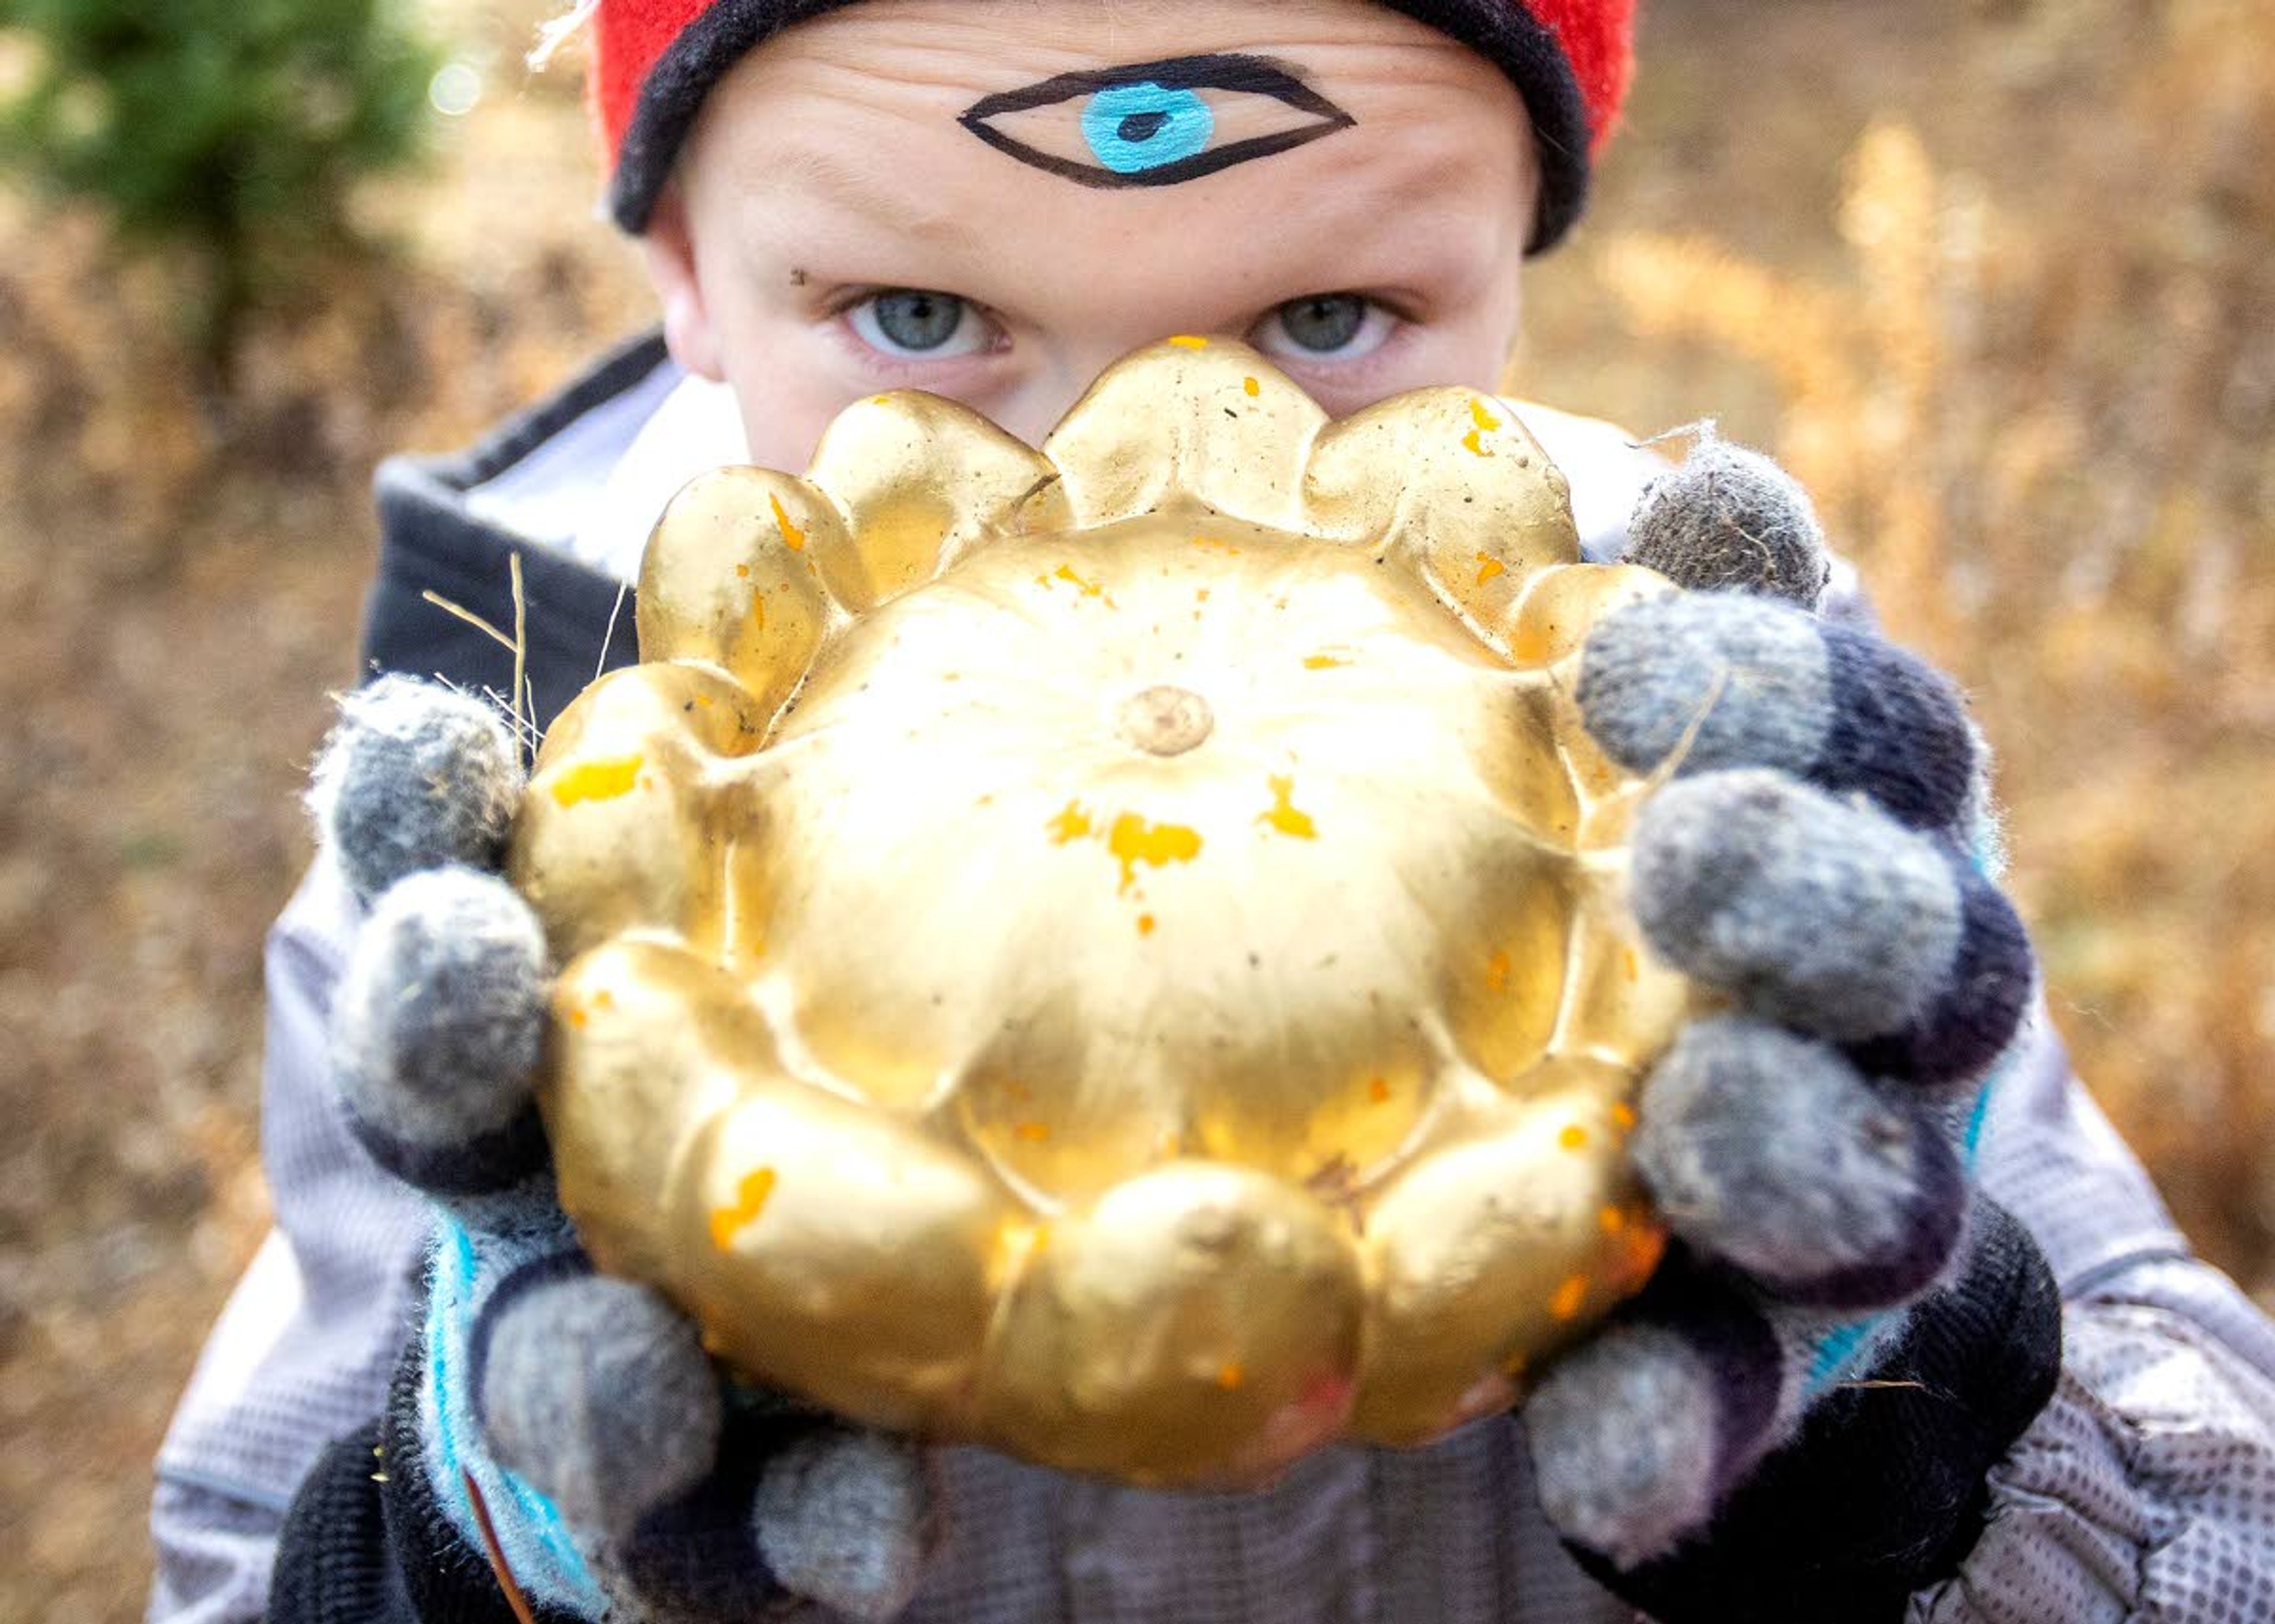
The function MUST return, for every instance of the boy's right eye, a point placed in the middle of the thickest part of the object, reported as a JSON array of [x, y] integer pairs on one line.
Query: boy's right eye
[[916, 323]]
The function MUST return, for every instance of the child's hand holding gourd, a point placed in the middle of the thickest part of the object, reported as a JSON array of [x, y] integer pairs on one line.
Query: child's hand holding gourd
[[1796, 1418], [572, 1419]]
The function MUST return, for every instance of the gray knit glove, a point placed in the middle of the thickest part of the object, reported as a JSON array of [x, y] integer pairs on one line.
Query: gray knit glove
[[564, 1426], [1819, 852]]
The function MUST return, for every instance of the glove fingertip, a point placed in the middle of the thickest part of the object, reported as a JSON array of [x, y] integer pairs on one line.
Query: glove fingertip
[[438, 1029], [596, 1391], [1636, 1436], [840, 1517], [1731, 519], [1722, 679], [1770, 1152], [1827, 916], [413, 776]]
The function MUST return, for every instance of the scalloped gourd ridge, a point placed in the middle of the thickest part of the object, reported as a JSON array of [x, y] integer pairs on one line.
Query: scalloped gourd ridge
[[1114, 953]]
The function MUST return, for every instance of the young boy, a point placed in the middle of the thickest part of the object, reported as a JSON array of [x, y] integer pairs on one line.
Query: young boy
[[992, 202]]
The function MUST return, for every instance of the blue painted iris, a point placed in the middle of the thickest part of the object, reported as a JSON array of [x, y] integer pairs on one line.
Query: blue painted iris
[[1133, 128]]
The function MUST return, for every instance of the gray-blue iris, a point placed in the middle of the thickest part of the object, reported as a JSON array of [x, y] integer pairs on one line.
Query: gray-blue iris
[[915, 320], [1323, 323]]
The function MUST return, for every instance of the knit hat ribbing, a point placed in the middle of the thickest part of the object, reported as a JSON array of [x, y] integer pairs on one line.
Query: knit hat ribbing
[[653, 62]]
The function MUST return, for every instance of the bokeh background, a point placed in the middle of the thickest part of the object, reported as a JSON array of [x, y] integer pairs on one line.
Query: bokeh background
[[1996, 278]]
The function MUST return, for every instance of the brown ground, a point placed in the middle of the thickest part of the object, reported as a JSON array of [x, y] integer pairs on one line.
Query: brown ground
[[1993, 276]]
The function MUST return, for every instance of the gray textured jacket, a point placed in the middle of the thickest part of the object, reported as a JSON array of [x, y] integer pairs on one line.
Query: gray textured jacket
[[2146, 1489]]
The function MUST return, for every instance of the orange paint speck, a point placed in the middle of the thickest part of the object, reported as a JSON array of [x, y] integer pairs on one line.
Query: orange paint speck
[[1230, 1375], [1574, 1137], [597, 780], [1643, 1247], [1252, 388], [1623, 1114], [1187, 341], [741, 572], [1145, 924], [1377, 1090], [1134, 840], [1569, 1298], [1130, 839], [580, 1017], [1323, 662], [751, 1199], [1612, 1220], [1210, 541], [1630, 963], [703, 701], [1487, 423], [1488, 567], [1090, 589], [1033, 1133], [1072, 824], [1497, 971], [790, 533], [1283, 815]]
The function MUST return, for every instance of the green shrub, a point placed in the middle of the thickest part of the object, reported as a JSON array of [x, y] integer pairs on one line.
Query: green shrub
[[229, 130]]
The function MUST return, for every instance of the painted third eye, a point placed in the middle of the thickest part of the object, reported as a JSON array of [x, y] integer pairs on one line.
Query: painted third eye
[[1154, 124]]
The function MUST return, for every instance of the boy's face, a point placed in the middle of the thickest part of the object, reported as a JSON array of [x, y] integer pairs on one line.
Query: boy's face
[[868, 203]]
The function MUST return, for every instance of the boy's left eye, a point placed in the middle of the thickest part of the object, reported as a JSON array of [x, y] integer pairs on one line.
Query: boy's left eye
[[1325, 327], [916, 323]]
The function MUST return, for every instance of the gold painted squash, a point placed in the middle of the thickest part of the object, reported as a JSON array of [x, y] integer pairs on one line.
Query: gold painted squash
[[1117, 953]]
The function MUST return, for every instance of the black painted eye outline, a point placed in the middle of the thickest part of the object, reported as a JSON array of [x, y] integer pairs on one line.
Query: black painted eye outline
[[1145, 101]]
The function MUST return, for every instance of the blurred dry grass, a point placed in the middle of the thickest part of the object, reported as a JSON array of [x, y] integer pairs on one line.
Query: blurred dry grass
[[1994, 277], [2023, 352]]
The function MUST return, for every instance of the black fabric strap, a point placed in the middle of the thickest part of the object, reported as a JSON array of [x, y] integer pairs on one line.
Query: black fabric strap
[[1883, 1492], [333, 1564], [430, 543]]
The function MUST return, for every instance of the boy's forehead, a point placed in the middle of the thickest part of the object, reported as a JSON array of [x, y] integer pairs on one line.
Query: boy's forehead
[[955, 42]]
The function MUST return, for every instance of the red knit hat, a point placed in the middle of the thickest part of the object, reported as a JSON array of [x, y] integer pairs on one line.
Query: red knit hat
[[653, 61]]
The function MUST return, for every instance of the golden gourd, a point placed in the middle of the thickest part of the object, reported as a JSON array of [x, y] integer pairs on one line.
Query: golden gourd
[[1114, 953]]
